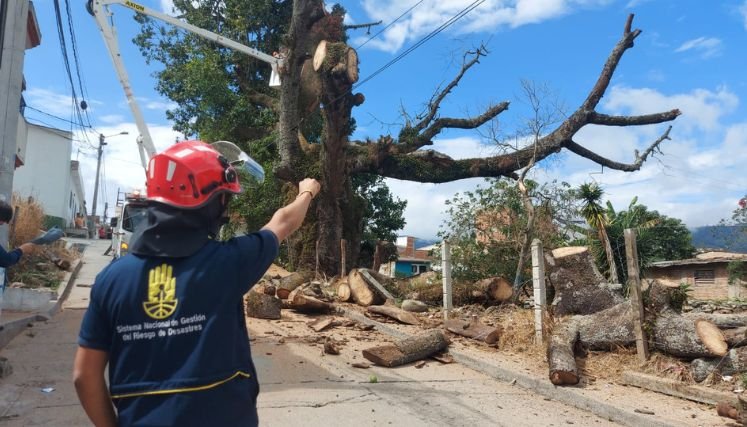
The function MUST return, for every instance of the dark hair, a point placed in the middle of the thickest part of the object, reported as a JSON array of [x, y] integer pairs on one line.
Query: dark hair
[[6, 212]]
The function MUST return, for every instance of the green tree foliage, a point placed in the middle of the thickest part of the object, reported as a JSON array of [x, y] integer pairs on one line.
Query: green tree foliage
[[659, 237], [217, 91], [383, 216], [484, 226]]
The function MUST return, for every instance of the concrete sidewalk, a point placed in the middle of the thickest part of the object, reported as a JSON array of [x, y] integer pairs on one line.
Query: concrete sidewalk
[[40, 390]]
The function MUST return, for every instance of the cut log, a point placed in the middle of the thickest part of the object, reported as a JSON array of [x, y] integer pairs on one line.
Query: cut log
[[678, 336], [734, 362], [307, 304], [291, 282], [736, 337], [363, 293], [351, 65], [474, 329], [495, 289], [414, 306], [262, 306], [672, 334], [579, 287], [408, 350], [560, 354], [343, 292], [395, 313], [723, 321]]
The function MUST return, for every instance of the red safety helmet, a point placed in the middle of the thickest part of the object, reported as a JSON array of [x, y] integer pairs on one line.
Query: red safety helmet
[[186, 175]]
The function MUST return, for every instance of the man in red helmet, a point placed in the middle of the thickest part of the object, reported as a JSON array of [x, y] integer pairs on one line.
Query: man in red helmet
[[168, 318]]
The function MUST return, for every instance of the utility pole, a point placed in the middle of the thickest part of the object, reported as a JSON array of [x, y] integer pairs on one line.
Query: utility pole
[[13, 29], [102, 142]]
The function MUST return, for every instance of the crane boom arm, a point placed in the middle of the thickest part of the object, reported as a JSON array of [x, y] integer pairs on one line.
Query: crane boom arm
[[100, 11]]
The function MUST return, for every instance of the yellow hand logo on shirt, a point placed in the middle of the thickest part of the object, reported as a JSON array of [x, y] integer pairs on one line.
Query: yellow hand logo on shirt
[[161, 292]]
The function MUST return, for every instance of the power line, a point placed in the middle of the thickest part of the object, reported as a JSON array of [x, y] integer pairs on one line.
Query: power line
[[390, 24], [423, 40], [58, 117]]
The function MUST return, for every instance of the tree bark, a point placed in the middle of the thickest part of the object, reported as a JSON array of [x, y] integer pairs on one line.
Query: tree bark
[[407, 350], [672, 334], [474, 329], [734, 362], [723, 321], [579, 287], [395, 313], [262, 306]]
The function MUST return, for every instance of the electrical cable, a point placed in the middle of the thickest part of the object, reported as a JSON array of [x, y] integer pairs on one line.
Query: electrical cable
[[389, 25]]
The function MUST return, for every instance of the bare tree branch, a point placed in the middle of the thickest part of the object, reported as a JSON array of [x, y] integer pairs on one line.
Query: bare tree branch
[[648, 119], [626, 167], [609, 67], [435, 103], [427, 135]]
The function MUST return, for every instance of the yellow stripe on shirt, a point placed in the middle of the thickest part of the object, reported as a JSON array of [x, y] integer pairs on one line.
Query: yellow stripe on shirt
[[182, 390]]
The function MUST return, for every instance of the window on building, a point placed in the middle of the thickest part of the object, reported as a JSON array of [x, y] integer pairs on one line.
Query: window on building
[[704, 277], [419, 268]]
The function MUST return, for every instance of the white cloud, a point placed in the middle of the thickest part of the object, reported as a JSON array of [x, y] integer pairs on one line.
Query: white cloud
[[708, 47], [701, 108], [489, 16], [49, 101], [111, 118]]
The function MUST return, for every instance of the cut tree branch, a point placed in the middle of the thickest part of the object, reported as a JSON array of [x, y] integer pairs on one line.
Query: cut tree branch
[[427, 135], [648, 119]]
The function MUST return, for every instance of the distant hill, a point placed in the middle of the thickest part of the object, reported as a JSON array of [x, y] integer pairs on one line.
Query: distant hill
[[728, 238]]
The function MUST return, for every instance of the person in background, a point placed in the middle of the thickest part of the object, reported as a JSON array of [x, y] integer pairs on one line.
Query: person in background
[[9, 258], [167, 318]]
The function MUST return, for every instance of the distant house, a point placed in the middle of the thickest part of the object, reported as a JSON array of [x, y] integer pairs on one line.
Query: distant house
[[706, 274], [410, 261], [49, 176]]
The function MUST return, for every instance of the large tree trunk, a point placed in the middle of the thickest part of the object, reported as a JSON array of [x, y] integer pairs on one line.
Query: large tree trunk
[[672, 334], [408, 350], [579, 287]]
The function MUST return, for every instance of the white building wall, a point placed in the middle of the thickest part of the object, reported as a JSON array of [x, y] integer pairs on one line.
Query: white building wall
[[46, 175]]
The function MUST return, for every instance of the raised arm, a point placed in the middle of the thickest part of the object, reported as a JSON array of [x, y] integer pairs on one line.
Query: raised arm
[[289, 218]]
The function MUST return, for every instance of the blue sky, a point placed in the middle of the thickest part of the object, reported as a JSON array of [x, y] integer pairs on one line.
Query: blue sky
[[690, 56]]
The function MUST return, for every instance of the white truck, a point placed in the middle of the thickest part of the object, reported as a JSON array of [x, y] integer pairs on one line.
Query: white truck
[[133, 208]]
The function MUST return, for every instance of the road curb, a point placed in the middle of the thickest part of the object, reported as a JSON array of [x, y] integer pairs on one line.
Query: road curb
[[566, 395], [12, 329]]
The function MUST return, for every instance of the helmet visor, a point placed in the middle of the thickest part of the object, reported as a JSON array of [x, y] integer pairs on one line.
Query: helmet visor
[[240, 160]]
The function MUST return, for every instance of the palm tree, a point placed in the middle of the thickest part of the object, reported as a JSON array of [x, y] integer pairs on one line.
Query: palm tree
[[595, 215]]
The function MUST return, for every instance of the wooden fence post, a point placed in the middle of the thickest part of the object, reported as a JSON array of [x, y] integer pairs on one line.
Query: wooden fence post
[[539, 294], [446, 272], [343, 252], [636, 300]]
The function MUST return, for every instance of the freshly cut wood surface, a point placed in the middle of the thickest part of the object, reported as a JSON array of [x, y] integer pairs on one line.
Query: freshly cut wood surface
[[395, 313]]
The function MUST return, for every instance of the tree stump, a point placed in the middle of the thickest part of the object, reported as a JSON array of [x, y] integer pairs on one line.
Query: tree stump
[[579, 287]]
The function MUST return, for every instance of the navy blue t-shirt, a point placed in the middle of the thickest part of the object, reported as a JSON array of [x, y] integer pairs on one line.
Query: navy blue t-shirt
[[176, 336]]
